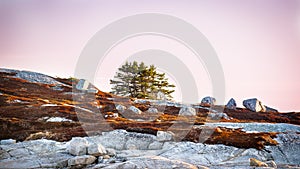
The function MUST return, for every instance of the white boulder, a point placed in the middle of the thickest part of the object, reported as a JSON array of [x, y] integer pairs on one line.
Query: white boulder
[[164, 136], [78, 146]]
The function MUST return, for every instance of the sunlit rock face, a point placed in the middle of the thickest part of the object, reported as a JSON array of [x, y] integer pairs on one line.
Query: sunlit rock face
[[254, 105]]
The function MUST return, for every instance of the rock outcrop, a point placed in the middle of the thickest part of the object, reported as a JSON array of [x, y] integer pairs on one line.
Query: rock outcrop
[[51, 154]]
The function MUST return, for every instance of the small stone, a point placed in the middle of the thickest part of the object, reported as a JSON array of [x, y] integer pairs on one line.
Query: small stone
[[8, 141], [135, 110], [78, 146], [81, 160], [152, 110], [257, 163]]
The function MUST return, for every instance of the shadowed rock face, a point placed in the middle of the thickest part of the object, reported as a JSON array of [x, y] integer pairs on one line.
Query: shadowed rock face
[[231, 104]]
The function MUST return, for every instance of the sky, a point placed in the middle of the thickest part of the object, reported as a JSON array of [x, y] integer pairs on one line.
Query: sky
[[257, 42]]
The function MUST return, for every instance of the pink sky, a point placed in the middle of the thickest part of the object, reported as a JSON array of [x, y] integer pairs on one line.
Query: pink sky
[[257, 41]]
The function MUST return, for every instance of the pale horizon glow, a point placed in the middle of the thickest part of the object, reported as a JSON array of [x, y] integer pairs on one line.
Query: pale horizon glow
[[257, 41]]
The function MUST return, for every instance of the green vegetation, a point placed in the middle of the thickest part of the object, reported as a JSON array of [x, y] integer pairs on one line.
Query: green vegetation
[[141, 81]]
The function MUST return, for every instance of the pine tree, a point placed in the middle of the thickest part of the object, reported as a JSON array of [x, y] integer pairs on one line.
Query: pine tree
[[140, 81]]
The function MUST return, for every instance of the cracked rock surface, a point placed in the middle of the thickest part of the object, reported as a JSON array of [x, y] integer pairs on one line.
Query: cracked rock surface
[[44, 153]]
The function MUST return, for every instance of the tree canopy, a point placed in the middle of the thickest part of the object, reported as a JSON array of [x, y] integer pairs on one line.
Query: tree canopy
[[138, 80]]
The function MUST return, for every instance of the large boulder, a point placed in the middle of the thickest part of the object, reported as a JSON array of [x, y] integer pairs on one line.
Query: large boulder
[[187, 111], [254, 105], [231, 104], [208, 101], [164, 136], [78, 146]]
